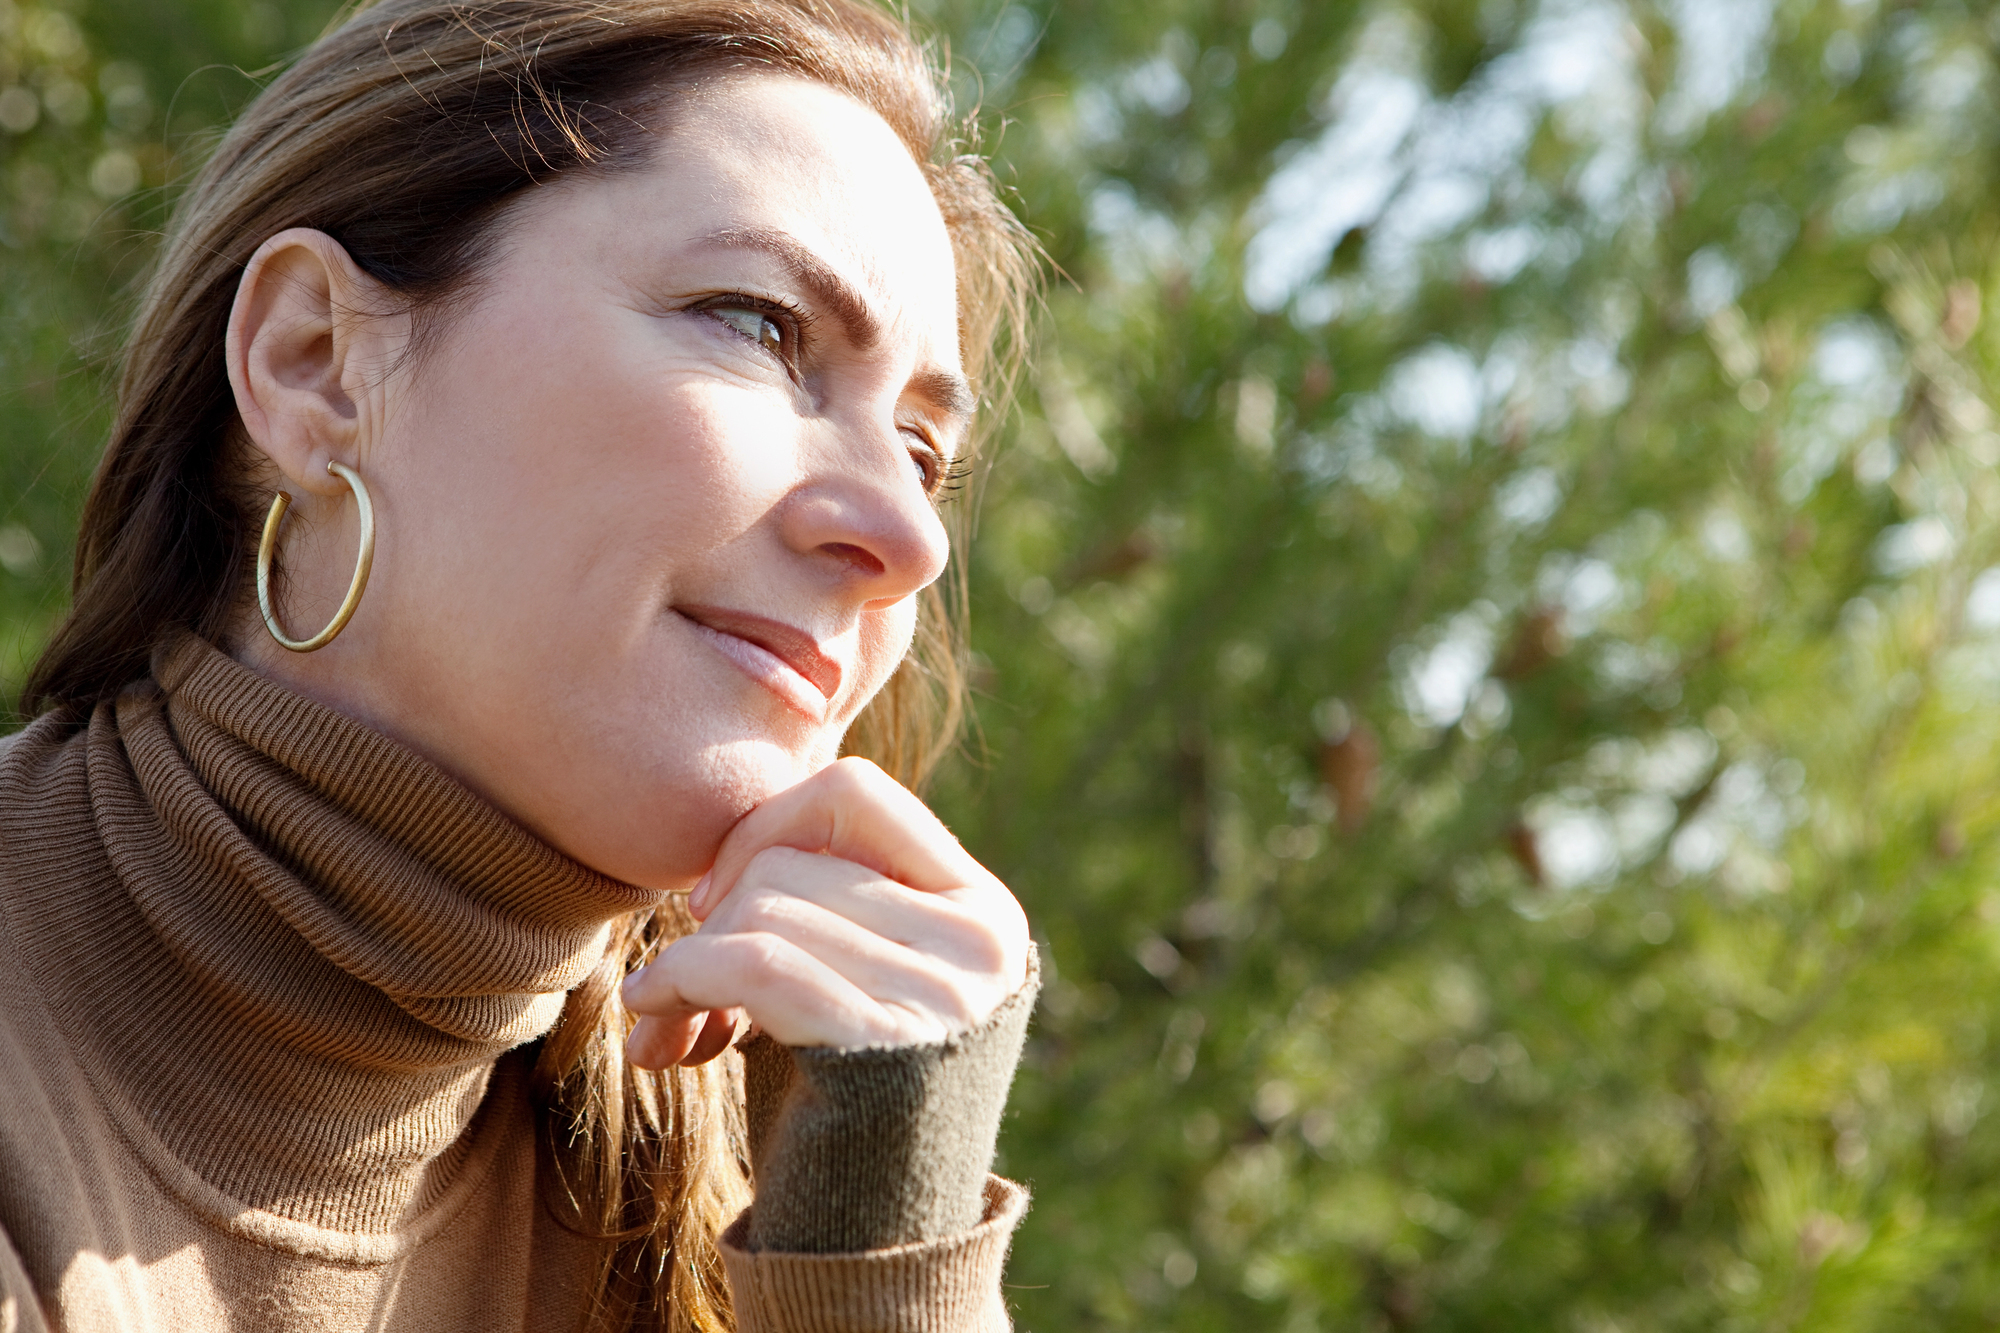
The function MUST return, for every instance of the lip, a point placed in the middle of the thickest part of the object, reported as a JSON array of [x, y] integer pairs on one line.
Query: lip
[[785, 659]]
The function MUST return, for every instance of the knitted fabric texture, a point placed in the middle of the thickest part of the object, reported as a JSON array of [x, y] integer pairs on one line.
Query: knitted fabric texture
[[878, 1146], [264, 980]]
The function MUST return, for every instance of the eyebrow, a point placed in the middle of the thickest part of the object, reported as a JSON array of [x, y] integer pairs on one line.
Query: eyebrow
[[945, 390]]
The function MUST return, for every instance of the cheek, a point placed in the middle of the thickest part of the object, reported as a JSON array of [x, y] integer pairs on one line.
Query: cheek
[[609, 454], [624, 405], [740, 444]]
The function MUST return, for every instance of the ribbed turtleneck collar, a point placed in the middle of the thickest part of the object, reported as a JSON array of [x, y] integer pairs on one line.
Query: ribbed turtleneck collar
[[321, 945]]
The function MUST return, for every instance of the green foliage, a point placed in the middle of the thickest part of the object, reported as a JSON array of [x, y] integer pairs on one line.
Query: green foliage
[[1487, 621], [1495, 732]]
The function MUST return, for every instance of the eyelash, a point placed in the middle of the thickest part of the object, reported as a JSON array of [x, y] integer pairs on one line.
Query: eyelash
[[943, 477], [951, 473], [956, 473]]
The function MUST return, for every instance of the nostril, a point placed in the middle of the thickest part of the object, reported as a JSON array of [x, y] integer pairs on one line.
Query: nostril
[[862, 560]]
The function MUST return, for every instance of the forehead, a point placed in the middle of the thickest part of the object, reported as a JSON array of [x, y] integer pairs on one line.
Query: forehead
[[773, 153]]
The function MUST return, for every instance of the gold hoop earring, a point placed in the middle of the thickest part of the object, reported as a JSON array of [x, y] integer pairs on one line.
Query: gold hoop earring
[[268, 547]]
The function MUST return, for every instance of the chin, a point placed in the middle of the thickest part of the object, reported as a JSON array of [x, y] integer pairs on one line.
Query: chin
[[741, 775], [706, 799]]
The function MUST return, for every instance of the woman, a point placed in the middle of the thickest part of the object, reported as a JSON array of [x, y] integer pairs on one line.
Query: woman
[[527, 472]]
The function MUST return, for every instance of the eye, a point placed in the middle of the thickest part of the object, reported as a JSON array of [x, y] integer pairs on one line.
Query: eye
[[924, 457], [756, 325], [937, 474]]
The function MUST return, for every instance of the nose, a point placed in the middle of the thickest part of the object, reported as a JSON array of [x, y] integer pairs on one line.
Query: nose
[[863, 516]]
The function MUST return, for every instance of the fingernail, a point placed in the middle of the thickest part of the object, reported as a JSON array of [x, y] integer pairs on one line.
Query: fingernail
[[698, 900]]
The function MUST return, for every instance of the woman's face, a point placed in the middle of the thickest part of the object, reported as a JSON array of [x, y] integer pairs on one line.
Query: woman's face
[[654, 508]]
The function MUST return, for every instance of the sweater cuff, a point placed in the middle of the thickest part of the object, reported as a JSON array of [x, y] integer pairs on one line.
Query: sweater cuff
[[874, 1147], [951, 1285]]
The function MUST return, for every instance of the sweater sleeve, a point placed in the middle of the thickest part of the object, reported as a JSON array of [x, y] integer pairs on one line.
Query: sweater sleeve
[[874, 1208], [20, 1311]]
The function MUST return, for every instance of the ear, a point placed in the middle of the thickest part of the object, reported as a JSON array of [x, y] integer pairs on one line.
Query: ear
[[303, 335]]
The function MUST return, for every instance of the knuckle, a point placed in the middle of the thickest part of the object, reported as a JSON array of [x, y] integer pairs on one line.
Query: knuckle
[[761, 958], [942, 994], [854, 768], [964, 1005], [765, 913], [845, 777], [988, 935], [860, 779], [985, 951]]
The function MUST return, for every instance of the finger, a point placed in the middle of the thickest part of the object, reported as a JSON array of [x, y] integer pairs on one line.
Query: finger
[[887, 972], [661, 1041], [797, 998], [941, 924], [716, 1034], [852, 810]]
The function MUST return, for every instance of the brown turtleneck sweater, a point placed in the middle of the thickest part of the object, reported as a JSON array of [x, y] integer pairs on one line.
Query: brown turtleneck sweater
[[264, 977]]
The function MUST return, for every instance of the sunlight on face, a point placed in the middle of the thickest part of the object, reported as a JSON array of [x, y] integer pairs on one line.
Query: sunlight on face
[[656, 510]]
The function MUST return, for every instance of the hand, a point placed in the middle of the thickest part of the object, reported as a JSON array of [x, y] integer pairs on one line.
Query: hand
[[840, 912]]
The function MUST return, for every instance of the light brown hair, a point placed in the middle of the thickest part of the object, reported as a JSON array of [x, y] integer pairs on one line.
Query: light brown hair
[[404, 134]]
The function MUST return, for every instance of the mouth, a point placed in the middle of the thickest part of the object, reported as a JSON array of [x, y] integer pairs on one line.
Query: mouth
[[785, 660]]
